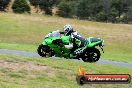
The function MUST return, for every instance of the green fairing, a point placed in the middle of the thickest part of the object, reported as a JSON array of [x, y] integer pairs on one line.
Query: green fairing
[[93, 44], [65, 39]]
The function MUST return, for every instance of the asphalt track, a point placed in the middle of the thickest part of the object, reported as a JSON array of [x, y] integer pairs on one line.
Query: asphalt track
[[33, 54]]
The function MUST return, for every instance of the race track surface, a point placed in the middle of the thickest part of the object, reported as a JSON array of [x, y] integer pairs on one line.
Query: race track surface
[[33, 54]]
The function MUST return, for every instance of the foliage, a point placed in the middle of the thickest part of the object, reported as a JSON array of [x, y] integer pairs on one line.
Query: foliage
[[88, 8], [64, 9], [44, 5], [20, 6], [96, 10], [4, 4]]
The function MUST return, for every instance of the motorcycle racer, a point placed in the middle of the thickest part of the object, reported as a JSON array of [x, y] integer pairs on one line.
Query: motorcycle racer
[[75, 37]]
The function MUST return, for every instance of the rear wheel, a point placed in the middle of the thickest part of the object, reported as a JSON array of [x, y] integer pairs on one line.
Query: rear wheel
[[45, 51], [91, 55]]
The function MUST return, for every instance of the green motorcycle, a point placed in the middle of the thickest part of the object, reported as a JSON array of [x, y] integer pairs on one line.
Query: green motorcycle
[[54, 45]]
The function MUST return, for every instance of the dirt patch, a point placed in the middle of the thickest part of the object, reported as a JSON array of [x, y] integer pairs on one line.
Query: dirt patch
[[21, 65], [27, 67]]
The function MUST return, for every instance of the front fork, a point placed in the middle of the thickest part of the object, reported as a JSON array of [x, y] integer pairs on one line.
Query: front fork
[[102, 48]]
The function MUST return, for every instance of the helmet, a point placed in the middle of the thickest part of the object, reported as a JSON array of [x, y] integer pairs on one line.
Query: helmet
[[68, 29]]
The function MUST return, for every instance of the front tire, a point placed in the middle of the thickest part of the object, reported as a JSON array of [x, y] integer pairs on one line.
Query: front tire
[[45, 51], [91, 55]]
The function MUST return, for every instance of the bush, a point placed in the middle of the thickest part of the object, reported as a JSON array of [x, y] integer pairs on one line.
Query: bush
[[35, 2], [101, 16], [21, 6], [44, 5], [83, 10], [4, 4], [88, 8], [64, 9], [129, 13]]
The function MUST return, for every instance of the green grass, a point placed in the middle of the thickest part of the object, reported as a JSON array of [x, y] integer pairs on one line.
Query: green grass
[[22, 47], [51, 73], [25, 32]]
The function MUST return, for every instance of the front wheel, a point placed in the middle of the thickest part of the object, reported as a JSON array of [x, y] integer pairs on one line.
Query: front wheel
[[91, 55], [45, 51]]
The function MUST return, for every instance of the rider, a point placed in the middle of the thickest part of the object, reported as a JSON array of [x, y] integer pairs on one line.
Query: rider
[[68, 31]]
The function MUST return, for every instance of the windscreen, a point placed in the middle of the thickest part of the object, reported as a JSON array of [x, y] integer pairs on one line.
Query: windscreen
[[53, 34]]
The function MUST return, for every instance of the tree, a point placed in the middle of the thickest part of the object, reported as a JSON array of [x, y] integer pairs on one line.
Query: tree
[[64, 9], [20, 6], [122, 9], [102, 16], [83, 9], [35, 3], [88, 9], [128, 10], [106, 10], [120, 6], [44, 5], [4, 4], [129, 13], [113, 15]]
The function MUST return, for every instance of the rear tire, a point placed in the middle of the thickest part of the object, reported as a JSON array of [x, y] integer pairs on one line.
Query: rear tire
[[91, 55], [45, 51]]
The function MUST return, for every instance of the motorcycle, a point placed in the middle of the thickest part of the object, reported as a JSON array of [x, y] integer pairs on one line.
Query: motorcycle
[[53, 45]]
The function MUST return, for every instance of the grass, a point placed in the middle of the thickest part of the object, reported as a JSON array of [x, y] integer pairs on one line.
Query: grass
[[26, 72], [25, 32], [22, 47]]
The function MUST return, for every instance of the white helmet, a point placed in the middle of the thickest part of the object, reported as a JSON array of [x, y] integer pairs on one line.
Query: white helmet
[[68, 29]]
